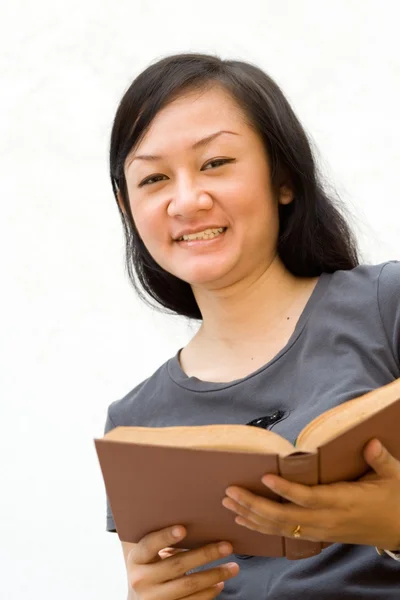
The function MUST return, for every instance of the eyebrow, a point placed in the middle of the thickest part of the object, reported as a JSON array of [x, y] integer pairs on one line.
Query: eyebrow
[[202, 142]]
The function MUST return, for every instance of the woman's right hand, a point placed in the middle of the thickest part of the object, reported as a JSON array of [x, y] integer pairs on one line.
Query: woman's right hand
[[152, 577]]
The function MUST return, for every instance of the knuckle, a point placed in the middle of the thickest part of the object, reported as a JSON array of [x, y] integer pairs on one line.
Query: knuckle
[[178, 564], [224, 572], [331, 527], [327, 532], [190, 585], [279, 519], [155, 541], [131, 556], [211, 552], [311, 502], [246, 504], [334, 520], [136, 578], [159, 539]]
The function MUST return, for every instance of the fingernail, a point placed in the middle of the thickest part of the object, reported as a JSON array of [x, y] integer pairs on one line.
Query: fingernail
[[268, 482], [224, 548], [377, 448], [177, 532]]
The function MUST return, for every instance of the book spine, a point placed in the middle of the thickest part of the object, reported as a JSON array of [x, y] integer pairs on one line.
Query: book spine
[[300, 467]]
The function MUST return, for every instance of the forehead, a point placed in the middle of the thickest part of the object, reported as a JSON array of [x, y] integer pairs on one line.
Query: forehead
[[192, 115]]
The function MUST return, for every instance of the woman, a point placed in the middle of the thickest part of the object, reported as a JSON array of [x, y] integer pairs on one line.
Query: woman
[[227, 222]]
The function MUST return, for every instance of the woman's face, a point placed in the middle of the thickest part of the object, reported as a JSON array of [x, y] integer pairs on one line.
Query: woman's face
[[192, 184]]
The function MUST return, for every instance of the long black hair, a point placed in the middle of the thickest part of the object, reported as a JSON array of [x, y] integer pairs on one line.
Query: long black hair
[[314, 236]]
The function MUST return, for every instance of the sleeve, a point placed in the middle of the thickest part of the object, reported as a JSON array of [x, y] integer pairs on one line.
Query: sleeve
[[110, 525], [389, 305]]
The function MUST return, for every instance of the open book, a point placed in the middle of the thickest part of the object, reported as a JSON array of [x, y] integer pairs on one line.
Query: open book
[[163, 476]]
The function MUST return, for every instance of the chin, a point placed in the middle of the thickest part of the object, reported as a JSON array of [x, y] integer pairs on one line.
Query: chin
[[207, 278], [209, 272], [201, 280]]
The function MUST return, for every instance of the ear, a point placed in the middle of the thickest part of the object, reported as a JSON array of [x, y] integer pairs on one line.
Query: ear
[[286, 194]]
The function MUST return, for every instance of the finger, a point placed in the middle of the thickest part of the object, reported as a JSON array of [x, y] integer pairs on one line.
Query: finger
[[311, 532], [167, 552], [275, 519], [383, 463], [178, 565], [303, 495], [198, 586], [147, 549], [247, 513]]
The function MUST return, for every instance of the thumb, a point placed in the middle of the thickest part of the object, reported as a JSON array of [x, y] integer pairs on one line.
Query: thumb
[[383, 463]]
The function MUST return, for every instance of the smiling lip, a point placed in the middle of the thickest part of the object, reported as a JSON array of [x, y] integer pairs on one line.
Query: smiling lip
[[197, 230], [202, 243]]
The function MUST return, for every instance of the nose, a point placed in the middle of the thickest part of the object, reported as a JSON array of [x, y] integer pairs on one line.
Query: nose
[[188, 199]]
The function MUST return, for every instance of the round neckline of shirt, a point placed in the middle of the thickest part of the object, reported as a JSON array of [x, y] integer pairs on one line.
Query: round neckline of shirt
[[192, 383]]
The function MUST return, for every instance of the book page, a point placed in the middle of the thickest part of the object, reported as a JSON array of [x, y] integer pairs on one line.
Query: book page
[[339, 419], [232, 438]]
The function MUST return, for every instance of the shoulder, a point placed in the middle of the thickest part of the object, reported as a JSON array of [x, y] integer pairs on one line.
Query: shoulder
[[382, 279], [389, 303], [367, 274], [389, 280], [123, 412], [363, 300], [370, 296], [366, 282]]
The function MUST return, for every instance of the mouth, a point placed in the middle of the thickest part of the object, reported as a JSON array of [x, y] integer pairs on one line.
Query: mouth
[[206, 236]]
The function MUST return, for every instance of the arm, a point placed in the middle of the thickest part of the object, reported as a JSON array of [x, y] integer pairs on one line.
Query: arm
[[126, 548]]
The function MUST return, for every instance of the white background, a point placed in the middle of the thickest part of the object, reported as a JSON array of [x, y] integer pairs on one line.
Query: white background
[[73, 335]]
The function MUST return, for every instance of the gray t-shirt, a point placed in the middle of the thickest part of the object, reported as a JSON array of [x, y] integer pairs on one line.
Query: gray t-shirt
[[346, 343]]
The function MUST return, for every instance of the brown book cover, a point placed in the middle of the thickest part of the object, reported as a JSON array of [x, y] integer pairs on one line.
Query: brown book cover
[[300, 468], [159, 477]]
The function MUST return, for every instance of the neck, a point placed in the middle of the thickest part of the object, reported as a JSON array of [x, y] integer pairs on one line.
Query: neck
[[251, 308]]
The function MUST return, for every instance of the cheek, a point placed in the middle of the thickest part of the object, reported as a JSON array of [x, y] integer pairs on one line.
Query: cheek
[[148, 222], [248, 192], [254, 205], [153, 230]]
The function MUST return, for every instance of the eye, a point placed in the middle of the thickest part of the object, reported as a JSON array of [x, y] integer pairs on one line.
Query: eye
[[150, 180], [218, 162], [158, 177]]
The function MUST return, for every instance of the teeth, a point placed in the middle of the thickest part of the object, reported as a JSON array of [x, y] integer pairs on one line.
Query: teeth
[[202, 235]]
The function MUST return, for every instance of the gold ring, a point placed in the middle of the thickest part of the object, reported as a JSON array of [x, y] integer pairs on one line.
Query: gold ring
[[296, 531]]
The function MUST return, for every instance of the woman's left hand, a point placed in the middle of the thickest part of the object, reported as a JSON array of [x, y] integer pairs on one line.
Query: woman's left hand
[[366, 511]]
